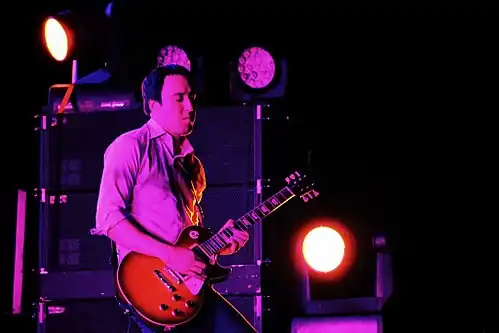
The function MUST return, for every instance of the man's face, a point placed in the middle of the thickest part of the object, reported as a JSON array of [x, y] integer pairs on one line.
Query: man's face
[[176, 113]]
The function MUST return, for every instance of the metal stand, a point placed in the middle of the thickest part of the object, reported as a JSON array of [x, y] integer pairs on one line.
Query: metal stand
[[74, 72], [17, 289]]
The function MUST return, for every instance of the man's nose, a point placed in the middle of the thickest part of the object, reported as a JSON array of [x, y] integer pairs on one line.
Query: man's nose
[[188, 105]]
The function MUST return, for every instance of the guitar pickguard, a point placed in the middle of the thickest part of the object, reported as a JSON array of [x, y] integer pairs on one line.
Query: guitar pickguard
[[194, 284]]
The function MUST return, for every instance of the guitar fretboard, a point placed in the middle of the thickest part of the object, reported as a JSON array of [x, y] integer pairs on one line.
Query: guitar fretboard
[[220, 240]]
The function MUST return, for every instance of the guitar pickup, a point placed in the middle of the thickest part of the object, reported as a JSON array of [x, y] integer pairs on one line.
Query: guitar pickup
[[177, 278], [165, 281]]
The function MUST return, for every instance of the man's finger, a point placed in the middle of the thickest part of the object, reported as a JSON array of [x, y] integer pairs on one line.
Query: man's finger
[[199, 265], [241, 234], [197, 271], [234, 247], [239, 239], [197, 275]]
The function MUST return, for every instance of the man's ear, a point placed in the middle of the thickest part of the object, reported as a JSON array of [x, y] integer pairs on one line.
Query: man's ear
[[153, 105]]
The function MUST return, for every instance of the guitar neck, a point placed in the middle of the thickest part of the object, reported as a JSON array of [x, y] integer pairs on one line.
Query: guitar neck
[[220, 240]]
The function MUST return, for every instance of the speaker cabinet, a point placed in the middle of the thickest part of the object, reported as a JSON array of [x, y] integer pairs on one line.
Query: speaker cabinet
[[226, 139], [84, 316]]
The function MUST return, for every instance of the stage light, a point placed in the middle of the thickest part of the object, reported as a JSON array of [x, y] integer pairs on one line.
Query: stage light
[[323, 249], [345, 277], [256, 67], [68, 35], [341, 271], [59, 34], [183, 55], [258, 75], [173, 55], [57, 38]]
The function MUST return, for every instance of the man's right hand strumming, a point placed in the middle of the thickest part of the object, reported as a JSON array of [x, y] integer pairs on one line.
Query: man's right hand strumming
[[177, 258], [184, 261]]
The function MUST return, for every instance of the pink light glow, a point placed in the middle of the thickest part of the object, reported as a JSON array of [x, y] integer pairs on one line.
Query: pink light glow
[[358, 324]]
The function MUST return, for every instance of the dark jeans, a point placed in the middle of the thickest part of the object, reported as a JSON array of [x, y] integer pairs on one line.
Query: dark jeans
[[216, 315]]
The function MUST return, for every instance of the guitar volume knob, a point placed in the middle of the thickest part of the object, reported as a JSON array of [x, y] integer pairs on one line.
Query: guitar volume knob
[[175, 312], [189, 304]]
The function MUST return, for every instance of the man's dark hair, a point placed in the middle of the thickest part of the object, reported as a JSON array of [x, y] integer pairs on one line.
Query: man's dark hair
[[152, 84]]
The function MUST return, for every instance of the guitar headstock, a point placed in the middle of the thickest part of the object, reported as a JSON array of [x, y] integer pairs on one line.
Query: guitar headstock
[[302, 186]]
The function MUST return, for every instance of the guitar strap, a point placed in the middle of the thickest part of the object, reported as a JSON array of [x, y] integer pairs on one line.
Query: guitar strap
[[183, 170]]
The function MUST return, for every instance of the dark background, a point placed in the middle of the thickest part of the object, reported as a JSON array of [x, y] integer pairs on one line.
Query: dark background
[[395, 105]]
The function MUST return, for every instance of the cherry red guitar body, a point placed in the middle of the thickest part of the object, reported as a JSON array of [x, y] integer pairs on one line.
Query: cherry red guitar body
[[159, 295]]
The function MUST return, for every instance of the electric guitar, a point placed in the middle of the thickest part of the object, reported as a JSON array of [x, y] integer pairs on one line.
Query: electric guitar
[[165, 298]]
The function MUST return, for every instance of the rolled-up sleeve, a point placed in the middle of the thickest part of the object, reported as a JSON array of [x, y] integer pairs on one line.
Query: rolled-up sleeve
[[121, 164]]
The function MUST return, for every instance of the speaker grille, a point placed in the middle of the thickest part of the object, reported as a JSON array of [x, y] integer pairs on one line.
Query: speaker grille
[[70, 244], [223, 139], [87, 316], [76, 146], [224, 202]]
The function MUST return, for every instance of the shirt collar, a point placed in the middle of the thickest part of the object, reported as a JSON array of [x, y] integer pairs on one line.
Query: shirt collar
[[156, 131]]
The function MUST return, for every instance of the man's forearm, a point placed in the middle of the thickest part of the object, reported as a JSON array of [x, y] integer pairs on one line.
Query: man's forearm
[[127, 235]]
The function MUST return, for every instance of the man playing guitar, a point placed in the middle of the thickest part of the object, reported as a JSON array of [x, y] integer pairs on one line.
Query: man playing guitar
[[150, 190]]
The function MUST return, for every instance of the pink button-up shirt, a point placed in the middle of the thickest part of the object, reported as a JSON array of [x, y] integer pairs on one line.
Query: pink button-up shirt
[[137, 184]]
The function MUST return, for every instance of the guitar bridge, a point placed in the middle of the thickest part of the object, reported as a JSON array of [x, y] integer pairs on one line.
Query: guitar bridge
[[165, 281]]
